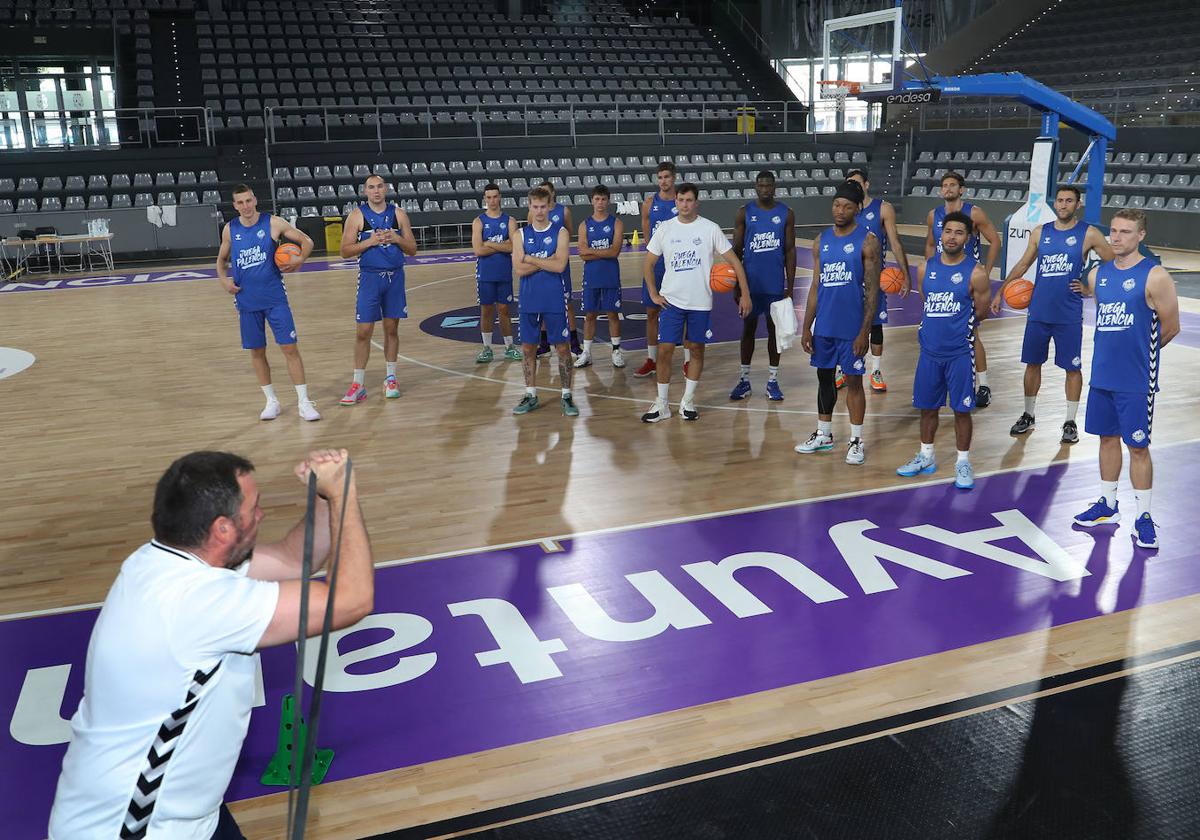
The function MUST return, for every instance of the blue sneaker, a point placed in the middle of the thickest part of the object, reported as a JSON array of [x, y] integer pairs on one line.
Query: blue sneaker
[[964, 476], [740, 390], [919, 465], [1101, 514], [773, 392], [1147, 536]]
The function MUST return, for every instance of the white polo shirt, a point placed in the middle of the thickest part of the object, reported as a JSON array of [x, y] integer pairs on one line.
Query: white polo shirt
[[167, 693], [687, 251]]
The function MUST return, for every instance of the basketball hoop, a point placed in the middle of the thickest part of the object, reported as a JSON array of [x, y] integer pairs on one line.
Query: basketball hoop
[[837, 90]]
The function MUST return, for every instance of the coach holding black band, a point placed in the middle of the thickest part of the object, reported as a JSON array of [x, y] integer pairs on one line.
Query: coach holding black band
[[170, 675]]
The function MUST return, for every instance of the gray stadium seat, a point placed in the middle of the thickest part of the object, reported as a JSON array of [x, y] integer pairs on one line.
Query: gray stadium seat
[[121, 201]]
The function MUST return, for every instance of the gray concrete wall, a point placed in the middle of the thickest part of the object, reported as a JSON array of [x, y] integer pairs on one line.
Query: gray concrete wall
[[196, 230]]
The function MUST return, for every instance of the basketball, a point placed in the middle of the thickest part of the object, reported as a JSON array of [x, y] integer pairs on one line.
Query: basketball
[[891, 280], [287, 254], [1018, 293], [723, 278]]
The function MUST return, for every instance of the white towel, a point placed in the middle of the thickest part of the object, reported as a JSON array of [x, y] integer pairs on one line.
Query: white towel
[[168, 215], [154, 215], [783, 314]]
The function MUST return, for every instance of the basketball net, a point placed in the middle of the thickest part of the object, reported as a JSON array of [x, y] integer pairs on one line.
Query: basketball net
[[837, 90]]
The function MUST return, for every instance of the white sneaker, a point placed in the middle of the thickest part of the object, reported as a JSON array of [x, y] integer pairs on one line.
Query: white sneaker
[[271, 411], [308, 411], [856, 451], [585, 360], [687, 410], [618, 359], [659, 411], [816, 442]]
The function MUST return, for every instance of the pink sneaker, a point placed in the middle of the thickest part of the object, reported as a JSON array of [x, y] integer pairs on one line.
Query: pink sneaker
[[356, 394], [391, 388]]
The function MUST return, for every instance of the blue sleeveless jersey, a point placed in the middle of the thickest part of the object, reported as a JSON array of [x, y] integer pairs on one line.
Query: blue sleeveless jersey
[[558, 220], [948, 321], [871, 217], [1125, 347], [840, 293], [494, 268], [605, 273], [252, 263], [762, 249], [939, 219], [541, 291], [661, 209], [1059, 261], [380, 257]]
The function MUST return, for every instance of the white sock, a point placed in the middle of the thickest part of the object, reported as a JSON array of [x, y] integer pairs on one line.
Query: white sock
[[1031, 406], [1108, 490], [825, 427], [530, 391], [1143, 501], [687, 355], [269, 393], [855, 431], [487, 338], [772, 372], [745, 373], [360, 376], [652, 352], [963, 457], [1072, 410], [874, 360], [587, 347], [566, 392], [391, 370], [616, 343], [663, 391], [302, 393], [927, 450], [981, 378], [689, 389], [508, 341]]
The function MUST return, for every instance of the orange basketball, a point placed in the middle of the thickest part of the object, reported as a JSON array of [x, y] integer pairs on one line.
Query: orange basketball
[[287, 254], [891, 280], [723, 278], [1018, 293]]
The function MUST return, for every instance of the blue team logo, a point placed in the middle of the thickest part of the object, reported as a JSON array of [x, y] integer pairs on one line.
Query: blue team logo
[[848, 248], [708, 334], [956, 277], [883, 315], [608, 228], [293, 333], [1128, 285], [261, 234], [967, 400], [1077, 361], [858, 364], [775, 220], [870, 216], [1071, 240], [1138, 436], [674, 211], [546, 241]]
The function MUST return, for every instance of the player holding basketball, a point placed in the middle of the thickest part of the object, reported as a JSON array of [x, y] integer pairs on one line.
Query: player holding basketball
[[879, 217], [561, 215], [953, 185], [955, 289], [842, 303], [764, 238], [656, 209], [540, 257], [1060, 250], [601, 236], [492, 235], [1137, 314], [686, 245], [248, 251], [380, 235]]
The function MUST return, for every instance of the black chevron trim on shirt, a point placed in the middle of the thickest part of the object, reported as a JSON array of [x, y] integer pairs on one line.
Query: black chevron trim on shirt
[[145, 794]]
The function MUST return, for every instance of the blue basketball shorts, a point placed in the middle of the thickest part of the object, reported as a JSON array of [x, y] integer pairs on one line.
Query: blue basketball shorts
[[1128, 414], [601, 300], [555, 324], [380, 295], [831, 352], [942, 380], [1068, 344], [254, 326], [672, 319], [660, 271], [491, 292]]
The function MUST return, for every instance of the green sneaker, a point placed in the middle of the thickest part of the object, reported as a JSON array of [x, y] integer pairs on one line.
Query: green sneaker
[[568, 406], [485, 356], [527, 404], [513, 353]]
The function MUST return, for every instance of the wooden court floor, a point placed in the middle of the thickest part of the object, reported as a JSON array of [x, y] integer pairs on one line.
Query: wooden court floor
[[128, 378]]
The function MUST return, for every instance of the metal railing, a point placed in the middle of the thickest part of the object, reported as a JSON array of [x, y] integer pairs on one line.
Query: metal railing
[[746, 28], [115, 128]]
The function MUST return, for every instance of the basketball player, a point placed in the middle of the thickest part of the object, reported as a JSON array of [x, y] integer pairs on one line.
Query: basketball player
[[601, 236], [492, 235], [561, 215], [1060, 250], [259, 294], [953, 185], [380, 235], [1137, 314], [842, 303], [764, 238], [169, 681], [540, 256], [656, 209], [686, 245], [955, 290], [879, 217]]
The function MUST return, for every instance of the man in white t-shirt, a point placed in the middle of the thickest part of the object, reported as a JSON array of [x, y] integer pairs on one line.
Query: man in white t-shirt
[[170, 675], [686, 245]]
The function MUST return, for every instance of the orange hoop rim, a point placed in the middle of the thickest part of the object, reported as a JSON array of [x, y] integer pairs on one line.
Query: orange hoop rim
[[851, 87]]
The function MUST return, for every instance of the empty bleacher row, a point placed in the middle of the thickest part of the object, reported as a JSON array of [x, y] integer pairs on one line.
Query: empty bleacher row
[[1153, 180], [101, 192], [458, 185], [86, 12]]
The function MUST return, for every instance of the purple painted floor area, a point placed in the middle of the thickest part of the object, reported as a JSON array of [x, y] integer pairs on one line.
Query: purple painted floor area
[[424, 680]]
